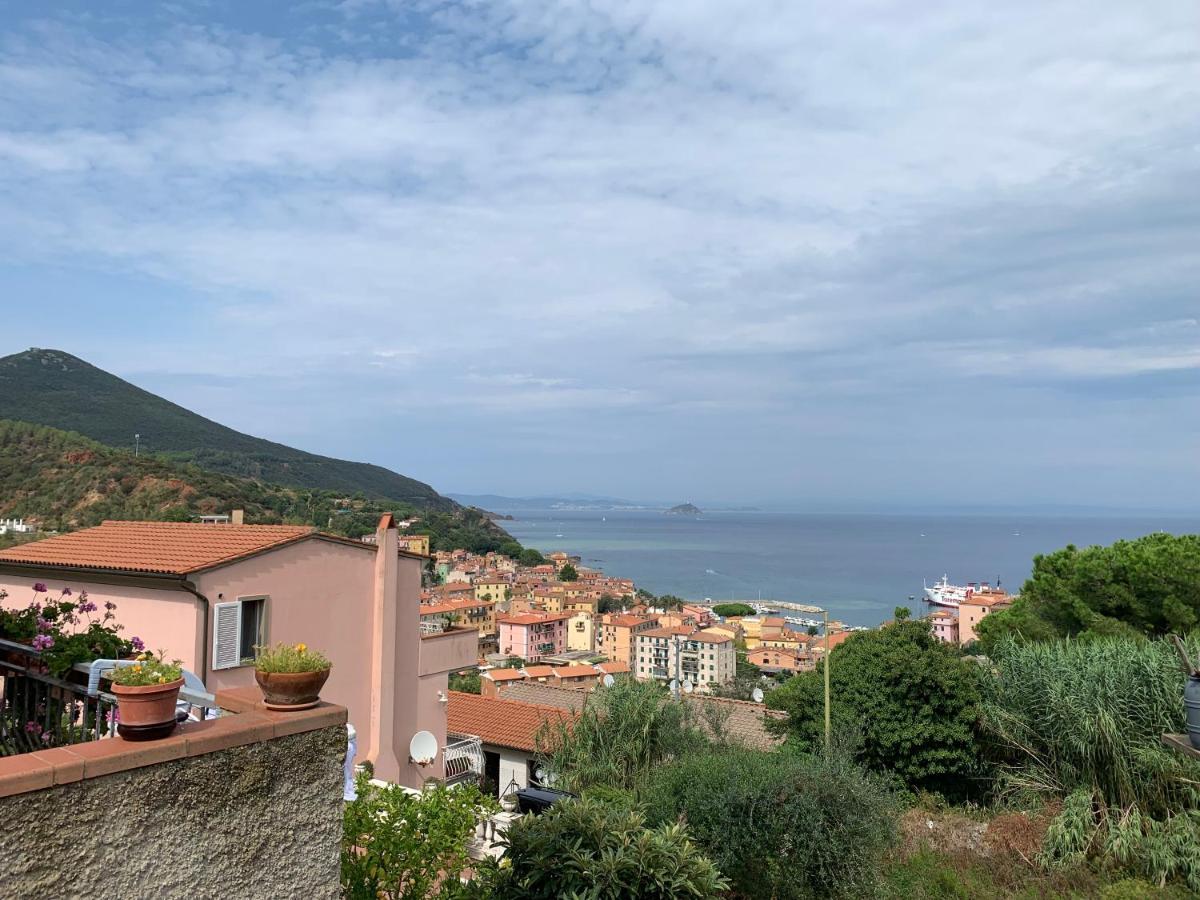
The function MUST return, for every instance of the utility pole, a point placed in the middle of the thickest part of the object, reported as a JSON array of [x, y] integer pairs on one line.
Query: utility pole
[[137, 444], [827, 661]]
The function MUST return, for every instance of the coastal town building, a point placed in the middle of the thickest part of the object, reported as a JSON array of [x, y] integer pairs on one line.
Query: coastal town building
[[581, 631], [616, 637], [533, 635], [209, 594], [944, 625], [972, 611], [478, 614], [702, 657], [775, 659]]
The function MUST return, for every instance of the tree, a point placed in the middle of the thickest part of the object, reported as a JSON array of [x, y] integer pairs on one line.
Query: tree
[[907, 700], [531, 557], [466, 682], [596, 850], [670, 601], [568, 573], [398, 845], [511, 549], [1150, 586], [621, 735], [781, 825], [725, 610], [609, 603]]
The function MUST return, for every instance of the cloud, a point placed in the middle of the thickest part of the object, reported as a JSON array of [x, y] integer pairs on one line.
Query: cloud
[[678, 218]]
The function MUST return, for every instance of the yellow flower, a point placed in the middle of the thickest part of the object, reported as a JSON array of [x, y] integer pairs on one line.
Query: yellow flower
[[137, 668], [140, 656], [300, 648], [162, 679]]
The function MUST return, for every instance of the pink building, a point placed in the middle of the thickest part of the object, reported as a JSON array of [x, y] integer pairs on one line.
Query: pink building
[[208, 593], [944, 625], [533, 635]]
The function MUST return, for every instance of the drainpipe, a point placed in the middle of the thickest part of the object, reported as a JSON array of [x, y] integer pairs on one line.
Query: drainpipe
[[191, 589]]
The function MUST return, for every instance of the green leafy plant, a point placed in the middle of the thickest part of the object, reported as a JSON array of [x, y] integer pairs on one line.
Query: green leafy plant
[[593, 850], [149, 668], [909, 701], [399, 845], [67, 630], [290, 659], [621, 735], [781, 825], [724, 610]]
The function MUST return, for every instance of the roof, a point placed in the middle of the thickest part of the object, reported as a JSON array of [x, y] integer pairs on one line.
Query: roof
[[705, 637], [570, 699], [539, 671], [451, 606], [532, 618], [613, 668], [504, 675], [575, 671], [681, 630], [163, 548], [740, 721], [501, 722], [628, 621]]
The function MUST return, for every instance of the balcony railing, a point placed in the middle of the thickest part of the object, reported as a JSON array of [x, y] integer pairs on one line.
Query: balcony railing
[[38, 711], [464, 759]]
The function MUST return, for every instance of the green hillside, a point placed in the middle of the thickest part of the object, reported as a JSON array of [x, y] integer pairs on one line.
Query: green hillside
[[53, 388], [62, 481]]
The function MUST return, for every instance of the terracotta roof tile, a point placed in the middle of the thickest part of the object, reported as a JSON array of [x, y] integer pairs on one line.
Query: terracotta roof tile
[[169, 548], [613, 668], [570, 699], [532, 618], [502, 723], [504, 675], [575, 671], [539, 671]]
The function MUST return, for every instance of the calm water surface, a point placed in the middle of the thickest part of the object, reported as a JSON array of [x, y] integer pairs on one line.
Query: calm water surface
[[861, 566]]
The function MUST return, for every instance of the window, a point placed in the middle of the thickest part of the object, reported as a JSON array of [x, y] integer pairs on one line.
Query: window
[[238, 626]]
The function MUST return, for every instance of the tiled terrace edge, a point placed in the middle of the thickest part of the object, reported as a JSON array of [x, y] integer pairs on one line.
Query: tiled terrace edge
[[253, 723]]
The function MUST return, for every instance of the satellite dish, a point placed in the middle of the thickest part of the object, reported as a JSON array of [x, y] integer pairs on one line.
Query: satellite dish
[[757, 695], [423, 748], [688, 687], [674, 686], [609, 681]]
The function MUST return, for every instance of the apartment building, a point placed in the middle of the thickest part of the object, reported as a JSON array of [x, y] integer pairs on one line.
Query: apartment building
[[702, 657], [533, 635], [616, 637]]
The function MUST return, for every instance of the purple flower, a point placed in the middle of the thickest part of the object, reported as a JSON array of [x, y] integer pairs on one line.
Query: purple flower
[[66, 592], [42, 642], [137, 643], [86, 607], [33, 728], [108, 604], [44, 624], [39, 588]]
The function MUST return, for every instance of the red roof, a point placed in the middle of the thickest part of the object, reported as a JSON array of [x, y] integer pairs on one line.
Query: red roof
[[613, 668], [168, 548], [539, 671], [503, 675], [575, 671], [502, 723], [532, 618]]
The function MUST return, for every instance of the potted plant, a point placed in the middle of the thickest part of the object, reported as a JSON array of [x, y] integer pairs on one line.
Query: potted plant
[[65, 630], [146, 693], [290, 675]]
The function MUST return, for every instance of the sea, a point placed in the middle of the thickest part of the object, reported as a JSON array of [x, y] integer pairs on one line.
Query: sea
[[859, 566]]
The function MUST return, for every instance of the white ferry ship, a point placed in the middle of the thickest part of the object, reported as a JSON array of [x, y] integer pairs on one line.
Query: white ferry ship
[[943, 593]]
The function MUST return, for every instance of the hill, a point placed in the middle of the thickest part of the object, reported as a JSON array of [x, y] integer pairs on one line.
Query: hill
[[63, 481], [56, 389]]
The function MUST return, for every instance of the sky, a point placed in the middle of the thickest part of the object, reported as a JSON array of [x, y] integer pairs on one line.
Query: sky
[[784, 253]]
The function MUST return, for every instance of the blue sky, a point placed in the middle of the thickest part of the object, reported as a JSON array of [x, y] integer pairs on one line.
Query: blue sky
[[868, 253]]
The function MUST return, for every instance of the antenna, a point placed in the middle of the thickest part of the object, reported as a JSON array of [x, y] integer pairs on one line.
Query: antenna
[[609, 681], [423, 748], [757, 695]]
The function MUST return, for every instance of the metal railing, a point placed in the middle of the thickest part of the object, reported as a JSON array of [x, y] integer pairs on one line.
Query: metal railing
[[463, 759], [39, 711]]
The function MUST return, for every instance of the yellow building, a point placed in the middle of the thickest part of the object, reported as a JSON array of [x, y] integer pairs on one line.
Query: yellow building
[[581, 632], [493, 588], [415, 543], [476, 613]]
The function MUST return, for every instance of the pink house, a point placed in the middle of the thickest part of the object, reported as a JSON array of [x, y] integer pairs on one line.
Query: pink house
[[208, 593], [533, 635], [944, 625]]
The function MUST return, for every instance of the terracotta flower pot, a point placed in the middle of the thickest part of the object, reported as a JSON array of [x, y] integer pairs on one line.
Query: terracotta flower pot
[[291, 690], [146, 712]]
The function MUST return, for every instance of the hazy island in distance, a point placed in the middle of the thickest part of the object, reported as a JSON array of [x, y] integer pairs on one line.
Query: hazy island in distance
[[684, 509]]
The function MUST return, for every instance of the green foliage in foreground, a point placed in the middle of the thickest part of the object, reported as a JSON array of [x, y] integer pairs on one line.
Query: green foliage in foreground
[[907, 700], [624, 732], [1082, 721], [466, 682], [724, 610], [780, 825], [591, 850], [398, 845], [1149, 586]]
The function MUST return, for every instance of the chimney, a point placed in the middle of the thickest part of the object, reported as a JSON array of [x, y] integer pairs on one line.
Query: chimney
[[237, 517], [382, 728]]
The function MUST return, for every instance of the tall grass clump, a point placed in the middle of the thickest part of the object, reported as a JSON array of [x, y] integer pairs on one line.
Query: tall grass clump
[[1082, 722]]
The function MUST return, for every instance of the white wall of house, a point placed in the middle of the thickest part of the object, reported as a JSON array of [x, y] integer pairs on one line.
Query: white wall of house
[[514, 766]]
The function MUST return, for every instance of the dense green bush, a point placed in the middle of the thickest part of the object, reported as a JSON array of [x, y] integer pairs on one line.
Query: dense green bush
[[592, 850], [1082, 721], [622, 734], [1149, 586], [398, 845], [907, 701], [779, 825]]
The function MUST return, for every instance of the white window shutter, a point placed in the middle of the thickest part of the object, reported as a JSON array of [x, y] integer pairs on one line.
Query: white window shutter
[[227, 634]]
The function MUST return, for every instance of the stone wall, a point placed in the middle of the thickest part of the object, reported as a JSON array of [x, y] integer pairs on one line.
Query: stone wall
[[259, 820]]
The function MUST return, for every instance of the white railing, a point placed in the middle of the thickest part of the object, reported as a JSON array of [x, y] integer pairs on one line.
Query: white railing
[[464, 759], [489, 833]]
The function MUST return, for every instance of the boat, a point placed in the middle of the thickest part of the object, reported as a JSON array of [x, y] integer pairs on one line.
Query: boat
[[943, 593]]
